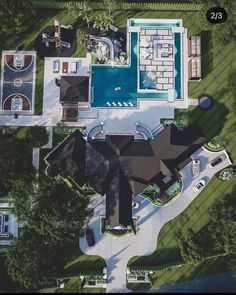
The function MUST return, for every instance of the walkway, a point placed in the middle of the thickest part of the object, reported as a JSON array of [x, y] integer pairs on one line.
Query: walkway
[[150, 220]]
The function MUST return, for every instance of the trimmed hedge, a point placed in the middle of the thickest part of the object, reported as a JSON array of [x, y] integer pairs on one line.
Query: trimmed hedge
[[119, 5], [148, 268]]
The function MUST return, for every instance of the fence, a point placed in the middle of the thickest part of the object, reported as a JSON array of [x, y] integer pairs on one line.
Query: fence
[[45, 4]]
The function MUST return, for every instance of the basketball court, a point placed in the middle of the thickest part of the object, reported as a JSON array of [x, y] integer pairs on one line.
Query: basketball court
[[18, 82]]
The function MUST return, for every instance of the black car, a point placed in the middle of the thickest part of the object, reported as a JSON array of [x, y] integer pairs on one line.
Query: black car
[[216, 161], [90, 237]]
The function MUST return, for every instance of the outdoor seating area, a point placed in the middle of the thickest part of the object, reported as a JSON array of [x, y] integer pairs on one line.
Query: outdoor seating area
[[156, 58], [194, 65]]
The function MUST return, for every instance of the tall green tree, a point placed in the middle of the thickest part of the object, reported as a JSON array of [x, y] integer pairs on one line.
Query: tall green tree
[[36, 136], [32, 260], [50, 207]]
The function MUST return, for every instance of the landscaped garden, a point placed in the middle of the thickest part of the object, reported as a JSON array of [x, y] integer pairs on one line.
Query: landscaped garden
[[219, 60], [162, 198], [117, 232]]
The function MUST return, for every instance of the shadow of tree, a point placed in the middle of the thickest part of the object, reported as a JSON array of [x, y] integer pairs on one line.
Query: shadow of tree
[[211, 122], [207, 55]]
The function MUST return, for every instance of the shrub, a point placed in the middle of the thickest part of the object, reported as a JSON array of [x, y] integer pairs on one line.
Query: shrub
[[217, 143], [37, 136], [227, 174]]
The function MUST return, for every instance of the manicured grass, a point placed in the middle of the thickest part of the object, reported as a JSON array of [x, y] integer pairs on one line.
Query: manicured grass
[[94, 290], [196, 216], [21, 132], [81, 262], [138, 286], [217, 64], [189, 272]]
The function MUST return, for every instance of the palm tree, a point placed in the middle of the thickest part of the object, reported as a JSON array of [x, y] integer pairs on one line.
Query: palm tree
[[103, 21], [109, 5], [86, 12]]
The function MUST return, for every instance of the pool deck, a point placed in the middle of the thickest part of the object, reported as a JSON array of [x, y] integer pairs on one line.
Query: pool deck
[[117, 120]]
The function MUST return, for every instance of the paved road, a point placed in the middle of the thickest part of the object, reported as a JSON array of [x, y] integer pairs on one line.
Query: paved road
[[150, 220], [219, 283]]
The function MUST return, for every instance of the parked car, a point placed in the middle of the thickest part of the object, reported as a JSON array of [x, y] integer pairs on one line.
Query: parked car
[[135, 205], [199, 186], [90, 237], [217, 160], [196, 167]]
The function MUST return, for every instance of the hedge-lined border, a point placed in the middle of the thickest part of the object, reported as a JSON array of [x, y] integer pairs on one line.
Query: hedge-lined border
[[46, 4], [167, 266]]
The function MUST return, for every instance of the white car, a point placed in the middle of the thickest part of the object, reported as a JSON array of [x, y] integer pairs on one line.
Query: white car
[[200, 185], [196, 167], [135, 205]]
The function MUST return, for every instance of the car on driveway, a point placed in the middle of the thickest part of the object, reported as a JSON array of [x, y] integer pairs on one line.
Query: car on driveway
[[90, 237], [217, 160], [199, 185], [135, 205], [196, 167]]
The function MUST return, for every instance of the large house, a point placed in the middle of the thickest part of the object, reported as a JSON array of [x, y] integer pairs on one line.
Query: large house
[[121, 166]]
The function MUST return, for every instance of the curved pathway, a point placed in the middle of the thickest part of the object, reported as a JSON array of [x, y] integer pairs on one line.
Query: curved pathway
[[150, 220]]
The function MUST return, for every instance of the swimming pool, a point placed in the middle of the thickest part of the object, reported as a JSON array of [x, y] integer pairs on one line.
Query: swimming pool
[[155, 23], [117, 85], [177, 73]]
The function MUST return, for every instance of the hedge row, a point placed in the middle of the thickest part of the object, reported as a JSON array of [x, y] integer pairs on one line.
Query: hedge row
[[138, 270], [119, 5]]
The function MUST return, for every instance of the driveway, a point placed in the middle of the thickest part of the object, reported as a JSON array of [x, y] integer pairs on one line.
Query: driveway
[[150, 219]]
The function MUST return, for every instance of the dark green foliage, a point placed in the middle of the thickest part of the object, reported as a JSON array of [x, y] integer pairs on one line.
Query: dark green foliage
[[33, 261], [53, 215], [232, 264], [222, 226], [36, 136], [50, 207], [120, 5], [13, 14], [15, 160], [218, 235]]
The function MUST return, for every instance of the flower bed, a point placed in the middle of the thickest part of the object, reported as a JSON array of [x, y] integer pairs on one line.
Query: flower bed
[[117, 232], [227, 173], [159, 198]]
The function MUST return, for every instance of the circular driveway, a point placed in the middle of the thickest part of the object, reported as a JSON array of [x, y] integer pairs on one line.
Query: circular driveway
[[150, 219]]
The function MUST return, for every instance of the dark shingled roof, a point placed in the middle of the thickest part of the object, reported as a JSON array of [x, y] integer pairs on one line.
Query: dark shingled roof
[[120, 167], [74, 89]]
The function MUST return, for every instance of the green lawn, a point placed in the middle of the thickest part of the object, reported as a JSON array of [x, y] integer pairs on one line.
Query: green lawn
[[189, 272], [196, 216], [217, 63], [78, 261], [94, 290]]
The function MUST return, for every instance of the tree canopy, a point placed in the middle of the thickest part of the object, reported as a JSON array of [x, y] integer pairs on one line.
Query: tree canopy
[[219, 235], [53, 216], [36, 136]]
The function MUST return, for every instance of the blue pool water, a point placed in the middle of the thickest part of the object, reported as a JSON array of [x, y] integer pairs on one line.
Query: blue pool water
[[146, 23], [177, 71], [105, 79], [116, 86]]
